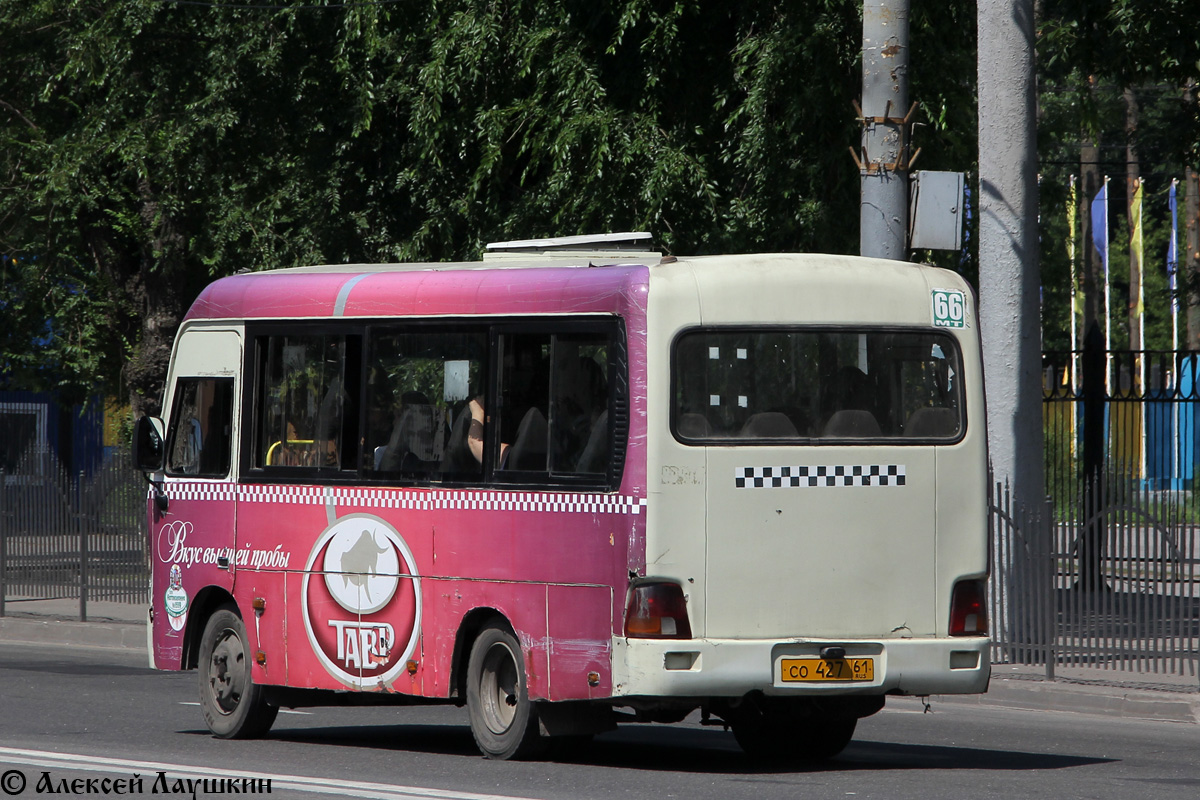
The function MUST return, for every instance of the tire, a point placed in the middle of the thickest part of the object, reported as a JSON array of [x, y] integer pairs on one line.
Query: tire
[[773, 735], [829, 737], [234, 706], [503, 720]]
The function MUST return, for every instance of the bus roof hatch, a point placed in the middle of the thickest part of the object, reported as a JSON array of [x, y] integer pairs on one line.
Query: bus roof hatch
[[620, 243]]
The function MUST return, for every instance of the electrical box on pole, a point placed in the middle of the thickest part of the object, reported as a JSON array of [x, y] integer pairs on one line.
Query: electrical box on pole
[[935, 210]]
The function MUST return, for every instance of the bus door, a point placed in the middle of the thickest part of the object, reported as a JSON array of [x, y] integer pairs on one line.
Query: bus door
[[193, 539]]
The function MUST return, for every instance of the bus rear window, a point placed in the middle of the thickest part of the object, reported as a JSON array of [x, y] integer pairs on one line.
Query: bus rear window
[[823, 385]]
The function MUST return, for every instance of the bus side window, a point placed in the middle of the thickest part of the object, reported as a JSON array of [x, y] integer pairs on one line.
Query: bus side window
[[554, 403], [579, 440], [419, 383], [200, 432], [307, 412], [524, 407]]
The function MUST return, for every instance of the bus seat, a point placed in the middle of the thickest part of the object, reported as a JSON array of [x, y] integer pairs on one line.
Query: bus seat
[[592, 458], [529, 449], [457, 456], [693, 426], [769, 425], [852, 423], [936, 422]]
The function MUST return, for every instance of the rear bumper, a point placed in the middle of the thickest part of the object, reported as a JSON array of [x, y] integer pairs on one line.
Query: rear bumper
[[733, 667]]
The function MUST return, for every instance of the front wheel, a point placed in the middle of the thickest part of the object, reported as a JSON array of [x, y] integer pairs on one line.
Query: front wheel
[[503, 719], [234, 706]]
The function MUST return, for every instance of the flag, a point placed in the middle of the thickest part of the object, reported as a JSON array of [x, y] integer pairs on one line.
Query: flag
[[1135, 242], [1099, 214], [1072, 221], [1100, 223], [1172, 253]]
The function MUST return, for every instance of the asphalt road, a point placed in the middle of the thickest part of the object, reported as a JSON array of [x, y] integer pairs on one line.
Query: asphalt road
[[78, 714]]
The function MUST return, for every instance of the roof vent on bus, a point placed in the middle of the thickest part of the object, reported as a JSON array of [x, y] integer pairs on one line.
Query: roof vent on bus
[[619, 245]]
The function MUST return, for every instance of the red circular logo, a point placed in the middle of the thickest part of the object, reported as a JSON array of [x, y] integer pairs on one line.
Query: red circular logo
[[362, 601]]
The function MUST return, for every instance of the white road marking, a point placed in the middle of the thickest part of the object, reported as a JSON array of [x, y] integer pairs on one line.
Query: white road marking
[[333, 786]]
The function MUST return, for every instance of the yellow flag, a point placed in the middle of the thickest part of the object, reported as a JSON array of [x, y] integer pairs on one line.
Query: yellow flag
[[1135, 243]]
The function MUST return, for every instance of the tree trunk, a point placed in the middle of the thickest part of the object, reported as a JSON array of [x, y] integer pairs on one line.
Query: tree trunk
[[157, 289]]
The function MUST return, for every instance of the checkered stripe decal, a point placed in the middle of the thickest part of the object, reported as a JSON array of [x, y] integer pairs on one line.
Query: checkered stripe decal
[[201, 490], [417, 500], [819, 476]]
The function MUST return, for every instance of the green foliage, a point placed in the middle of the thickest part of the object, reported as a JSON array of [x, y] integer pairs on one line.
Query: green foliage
[[149, 146]]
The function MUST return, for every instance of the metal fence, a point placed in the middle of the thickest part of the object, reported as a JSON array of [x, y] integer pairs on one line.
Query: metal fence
[[72, 536], [1106, 573]]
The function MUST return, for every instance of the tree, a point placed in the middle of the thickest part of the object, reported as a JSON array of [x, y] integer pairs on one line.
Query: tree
[[150, 146]]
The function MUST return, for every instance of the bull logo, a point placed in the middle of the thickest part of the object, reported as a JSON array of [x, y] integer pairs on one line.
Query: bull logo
[[361, 574], [362, 560], [362, 601]]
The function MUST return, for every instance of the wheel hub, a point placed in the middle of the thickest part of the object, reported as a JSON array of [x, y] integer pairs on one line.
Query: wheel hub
[[228, 672], [500, 688]]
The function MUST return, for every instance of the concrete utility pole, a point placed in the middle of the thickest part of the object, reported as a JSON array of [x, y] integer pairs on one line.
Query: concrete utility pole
[[883, 157], [1009, 281]]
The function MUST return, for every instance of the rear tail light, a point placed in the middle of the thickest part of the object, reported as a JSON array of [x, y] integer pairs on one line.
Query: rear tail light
[[968, 609], [657, 611]]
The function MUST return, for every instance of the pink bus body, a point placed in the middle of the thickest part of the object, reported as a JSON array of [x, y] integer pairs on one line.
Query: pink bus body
[[553, 563], [307, 560]]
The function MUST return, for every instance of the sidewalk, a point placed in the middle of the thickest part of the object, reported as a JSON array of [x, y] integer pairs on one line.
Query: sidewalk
[[1088, 690], [1091, 690], [121, 625]]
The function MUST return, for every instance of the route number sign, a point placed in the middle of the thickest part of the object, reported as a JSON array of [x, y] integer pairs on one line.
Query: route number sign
[[949, 308]]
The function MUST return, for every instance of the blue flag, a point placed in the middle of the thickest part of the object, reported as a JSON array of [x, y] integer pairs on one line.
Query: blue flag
[[1172, 254], [1100, 224]]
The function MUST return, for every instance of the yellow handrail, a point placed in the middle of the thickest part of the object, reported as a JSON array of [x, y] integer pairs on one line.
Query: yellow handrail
[[271, 451]]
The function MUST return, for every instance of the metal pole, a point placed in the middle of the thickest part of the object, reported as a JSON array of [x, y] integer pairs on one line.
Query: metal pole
[[883, 159], [3, 540], [1092, 540], [83, 549]]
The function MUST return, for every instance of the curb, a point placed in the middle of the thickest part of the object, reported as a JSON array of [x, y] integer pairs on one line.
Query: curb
[[1109, 700], [112, 635]]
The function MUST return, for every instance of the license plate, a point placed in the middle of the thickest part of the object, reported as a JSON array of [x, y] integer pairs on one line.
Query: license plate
[[809, 670]]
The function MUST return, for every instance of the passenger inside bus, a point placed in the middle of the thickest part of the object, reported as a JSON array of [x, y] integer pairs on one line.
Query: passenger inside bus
[[475, 431], [411, 444]]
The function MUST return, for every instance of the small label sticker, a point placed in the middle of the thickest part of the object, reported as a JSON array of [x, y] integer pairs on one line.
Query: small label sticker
[[175, 599], [949, 308]]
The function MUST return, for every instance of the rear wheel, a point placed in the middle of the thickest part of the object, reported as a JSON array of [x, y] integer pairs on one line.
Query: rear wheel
[[773, 733], [503, 720], [829, 737], [234, 706]]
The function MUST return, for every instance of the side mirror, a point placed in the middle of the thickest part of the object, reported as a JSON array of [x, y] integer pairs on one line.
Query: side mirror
[[148, 444]]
